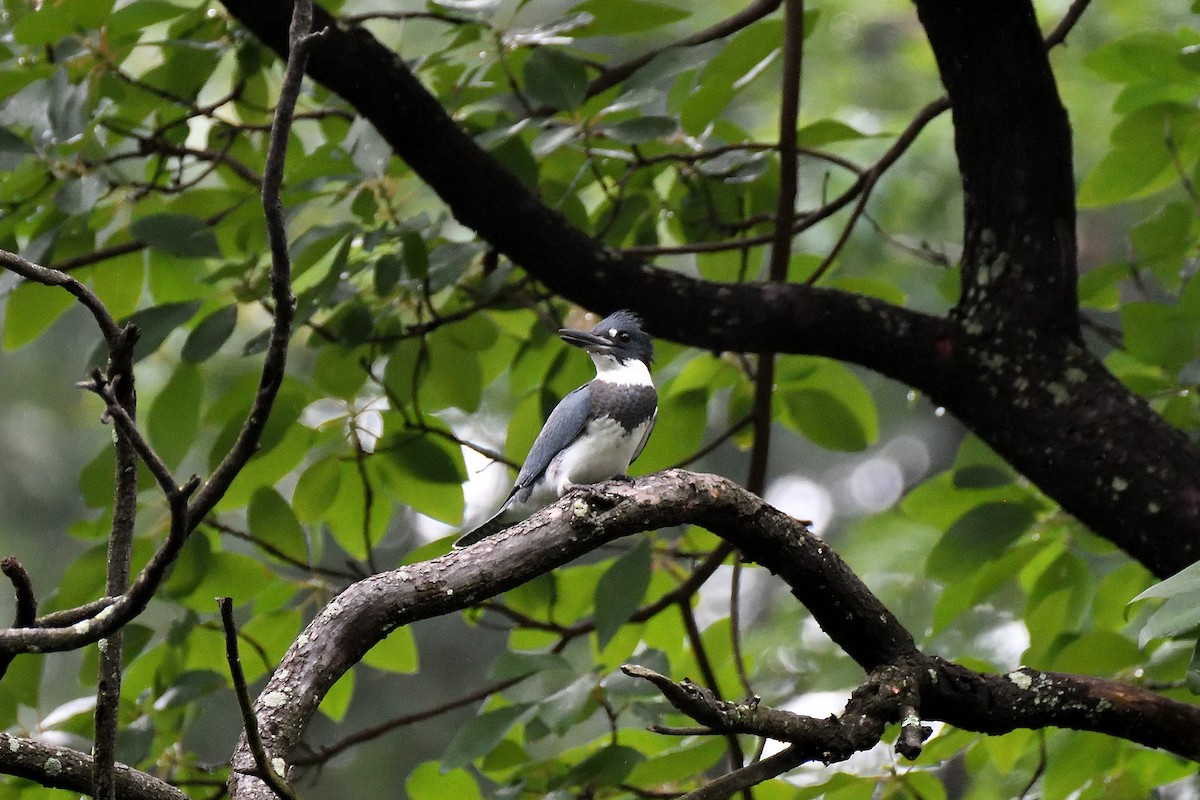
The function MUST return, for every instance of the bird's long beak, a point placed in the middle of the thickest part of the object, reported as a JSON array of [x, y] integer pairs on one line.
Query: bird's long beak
[[589, 341]]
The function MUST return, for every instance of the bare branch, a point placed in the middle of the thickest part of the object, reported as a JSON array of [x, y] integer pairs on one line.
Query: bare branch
[[53, 277], [267, 768], [284, 302], [64, 768]]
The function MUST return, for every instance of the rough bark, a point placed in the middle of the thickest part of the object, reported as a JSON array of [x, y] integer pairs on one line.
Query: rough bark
[[1008, 362], [845, 608]]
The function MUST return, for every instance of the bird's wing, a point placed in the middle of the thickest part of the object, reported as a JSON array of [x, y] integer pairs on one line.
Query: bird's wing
[[645, 437], [566, 422]]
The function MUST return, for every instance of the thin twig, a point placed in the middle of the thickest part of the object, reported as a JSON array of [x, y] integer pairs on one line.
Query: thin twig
[[321, 755], [267, 769], [748, 776], [120, 552], [53, 277], [246, 443]]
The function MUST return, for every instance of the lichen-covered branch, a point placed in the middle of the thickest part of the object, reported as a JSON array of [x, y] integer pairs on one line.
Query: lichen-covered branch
[[586, 519]]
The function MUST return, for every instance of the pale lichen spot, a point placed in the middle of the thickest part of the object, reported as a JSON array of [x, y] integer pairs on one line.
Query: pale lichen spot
[[1153, 507], [279, 765], [82, 627], [1119, 484], [334, 607], [403, 575], [1059, 393], [580, 508], [274, 699], [52, 766], [1075, 375], [102, 645], [1021, 383], [1020, 679], [14, 744]]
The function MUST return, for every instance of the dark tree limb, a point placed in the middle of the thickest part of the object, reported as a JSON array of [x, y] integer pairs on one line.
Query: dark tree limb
[[1008, 363], [846, 609], [264, 769], [64, 768], [120, 551]]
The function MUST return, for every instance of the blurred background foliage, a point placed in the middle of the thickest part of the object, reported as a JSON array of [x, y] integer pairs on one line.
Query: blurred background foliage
[[132, 137]]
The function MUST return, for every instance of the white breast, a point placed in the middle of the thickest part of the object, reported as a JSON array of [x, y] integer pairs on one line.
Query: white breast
[[602, 452]]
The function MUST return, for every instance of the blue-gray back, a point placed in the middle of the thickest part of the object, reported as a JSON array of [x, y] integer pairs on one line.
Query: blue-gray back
[[566, 422]]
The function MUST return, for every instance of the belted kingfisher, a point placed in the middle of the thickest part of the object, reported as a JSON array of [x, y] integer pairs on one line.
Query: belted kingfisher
[[596, 431]]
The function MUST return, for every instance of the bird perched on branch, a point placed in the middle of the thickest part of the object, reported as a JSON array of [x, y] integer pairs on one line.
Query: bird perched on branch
[[596, 431]]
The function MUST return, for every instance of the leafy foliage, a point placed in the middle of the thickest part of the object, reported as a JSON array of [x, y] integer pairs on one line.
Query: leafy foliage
[[133, 137]]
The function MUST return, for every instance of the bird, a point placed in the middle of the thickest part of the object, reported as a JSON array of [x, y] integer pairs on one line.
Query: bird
[[596, 431]]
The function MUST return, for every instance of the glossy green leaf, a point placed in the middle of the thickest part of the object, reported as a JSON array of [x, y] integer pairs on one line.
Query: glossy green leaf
[[178, 235], [396, 653], [336, 701], [30, 309], [554, 78], [481, 734], [316, 489], [157, 323], [428, 476], [174, 416], [272, 522], [620, 17], [430, 782], [209, 334], [606, 767], [978, 536], [1160, 334], [620, 590]]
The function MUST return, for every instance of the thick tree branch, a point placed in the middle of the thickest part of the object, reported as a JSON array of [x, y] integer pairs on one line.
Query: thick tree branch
[[852, 616], [1008, 364], [64, 768]]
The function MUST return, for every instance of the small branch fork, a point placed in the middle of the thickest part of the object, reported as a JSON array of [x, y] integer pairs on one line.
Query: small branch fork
[[190, 501], [903, 684], [890, 694]]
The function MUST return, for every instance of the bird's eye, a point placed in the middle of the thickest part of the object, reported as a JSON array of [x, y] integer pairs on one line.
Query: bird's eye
[[623, 336]]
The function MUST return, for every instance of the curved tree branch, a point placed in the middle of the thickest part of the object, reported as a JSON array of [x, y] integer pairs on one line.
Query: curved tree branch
[[64, 768], [845, 608], [1008, 362]]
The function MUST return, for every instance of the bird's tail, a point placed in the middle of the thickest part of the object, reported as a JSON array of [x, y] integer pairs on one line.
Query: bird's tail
[[494, 525]]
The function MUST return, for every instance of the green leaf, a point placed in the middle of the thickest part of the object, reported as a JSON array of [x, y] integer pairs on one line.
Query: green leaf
[[272, 521], [1160, 334], [554, 78], [826, 402], [737, 63], [174, 415], [975, 538], [606, 767], [336, 701], [622, 17], [30, 309], [416, 256], [1193, 670], [678, 763], [620, 590], [209, 334], [339, 371], [316, 489], [640, 130], [828, 131], [452, 376], [156, 324], [430, 782], [396, 653], [428, 476], [825, 419], [1186, 581], [479, 736], [177, 235], [1178, 616]]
